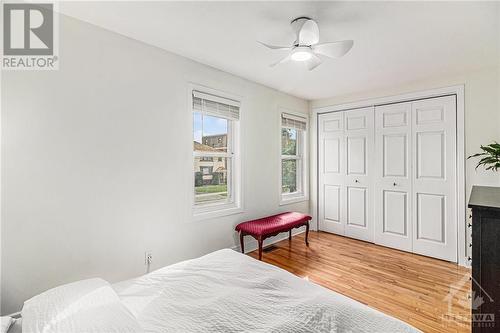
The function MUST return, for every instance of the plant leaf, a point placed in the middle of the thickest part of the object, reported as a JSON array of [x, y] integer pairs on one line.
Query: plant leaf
[[490, 156], [476, 155]]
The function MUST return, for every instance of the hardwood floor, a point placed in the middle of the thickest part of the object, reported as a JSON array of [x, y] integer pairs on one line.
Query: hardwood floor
[[407, 286]]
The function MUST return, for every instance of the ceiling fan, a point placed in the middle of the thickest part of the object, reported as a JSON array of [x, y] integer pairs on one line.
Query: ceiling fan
[[306, 47]]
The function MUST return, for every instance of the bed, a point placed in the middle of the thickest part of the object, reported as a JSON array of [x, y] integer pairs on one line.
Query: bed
[[223, 291]]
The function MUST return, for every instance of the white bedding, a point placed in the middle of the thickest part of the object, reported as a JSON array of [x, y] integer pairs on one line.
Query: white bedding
[[228, 292], [86, 306]]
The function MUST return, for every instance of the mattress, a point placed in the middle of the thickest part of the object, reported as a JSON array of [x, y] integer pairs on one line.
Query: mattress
[[226, 291]]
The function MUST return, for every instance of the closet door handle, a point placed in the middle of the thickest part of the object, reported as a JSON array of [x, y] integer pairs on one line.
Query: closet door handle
[[356, 181], [394, 184]]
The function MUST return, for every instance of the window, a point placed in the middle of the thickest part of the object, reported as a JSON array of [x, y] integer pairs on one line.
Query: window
[[215, 152], [206, 170], [293, 158]]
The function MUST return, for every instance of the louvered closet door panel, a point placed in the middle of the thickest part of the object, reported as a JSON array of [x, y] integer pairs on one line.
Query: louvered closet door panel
[[332, 173], [359, 173], [392, 198], [434, 178]]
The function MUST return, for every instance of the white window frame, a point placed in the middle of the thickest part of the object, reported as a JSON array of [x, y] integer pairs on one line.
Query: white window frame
[[301, 155], [212, 210]]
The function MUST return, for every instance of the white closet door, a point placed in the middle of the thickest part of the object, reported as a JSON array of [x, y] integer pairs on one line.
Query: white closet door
[[358, 180], [331, 173], [434, 178], [393, 191]]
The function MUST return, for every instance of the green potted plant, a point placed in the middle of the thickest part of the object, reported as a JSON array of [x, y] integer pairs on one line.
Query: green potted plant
[[490, 156]]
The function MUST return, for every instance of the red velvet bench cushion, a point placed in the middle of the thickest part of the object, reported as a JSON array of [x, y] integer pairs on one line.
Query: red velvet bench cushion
[[272, 225]]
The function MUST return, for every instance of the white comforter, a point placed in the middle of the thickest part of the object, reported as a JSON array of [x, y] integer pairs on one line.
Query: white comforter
[[229, 292]]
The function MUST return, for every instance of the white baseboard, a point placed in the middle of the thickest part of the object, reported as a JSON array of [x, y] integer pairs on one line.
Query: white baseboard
[[252, 245]]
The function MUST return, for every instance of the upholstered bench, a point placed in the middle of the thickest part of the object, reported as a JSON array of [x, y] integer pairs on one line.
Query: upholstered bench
[[263, 228]]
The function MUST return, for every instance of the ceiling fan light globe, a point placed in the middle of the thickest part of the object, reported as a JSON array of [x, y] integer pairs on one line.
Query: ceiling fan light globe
[[301, 54]]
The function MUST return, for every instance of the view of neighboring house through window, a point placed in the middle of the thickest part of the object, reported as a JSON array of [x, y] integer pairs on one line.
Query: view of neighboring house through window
[[214, 120], [293, 162]]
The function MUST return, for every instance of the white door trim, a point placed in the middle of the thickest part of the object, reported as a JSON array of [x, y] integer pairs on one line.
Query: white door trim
[[458, 91]]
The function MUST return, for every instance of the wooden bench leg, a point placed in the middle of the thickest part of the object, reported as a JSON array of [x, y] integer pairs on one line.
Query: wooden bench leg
[[260, 247], [242, 243], [290, 235], [307, 233]]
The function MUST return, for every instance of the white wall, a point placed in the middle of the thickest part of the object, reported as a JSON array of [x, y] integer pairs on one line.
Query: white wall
[[498, 80], [97, 160]]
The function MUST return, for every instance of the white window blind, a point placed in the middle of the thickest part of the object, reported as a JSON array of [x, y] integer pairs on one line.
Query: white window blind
[[216, 106], [291, 121]]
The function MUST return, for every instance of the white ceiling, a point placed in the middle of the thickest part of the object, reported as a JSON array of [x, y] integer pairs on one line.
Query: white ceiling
[[395, 42]]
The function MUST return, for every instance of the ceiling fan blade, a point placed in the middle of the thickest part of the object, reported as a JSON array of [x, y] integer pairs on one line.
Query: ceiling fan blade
[[280, 61], [314, 62], [275, 47], [334, 49], [308, 33]]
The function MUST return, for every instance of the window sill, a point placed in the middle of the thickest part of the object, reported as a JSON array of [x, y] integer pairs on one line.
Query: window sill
[[206, 213], [291, 199]]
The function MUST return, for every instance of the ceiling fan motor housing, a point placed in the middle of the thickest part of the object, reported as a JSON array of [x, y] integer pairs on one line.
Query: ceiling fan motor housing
[[297, 24]]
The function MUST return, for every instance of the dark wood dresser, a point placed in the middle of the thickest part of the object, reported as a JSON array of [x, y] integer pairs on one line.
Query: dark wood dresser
[[485, 204]]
